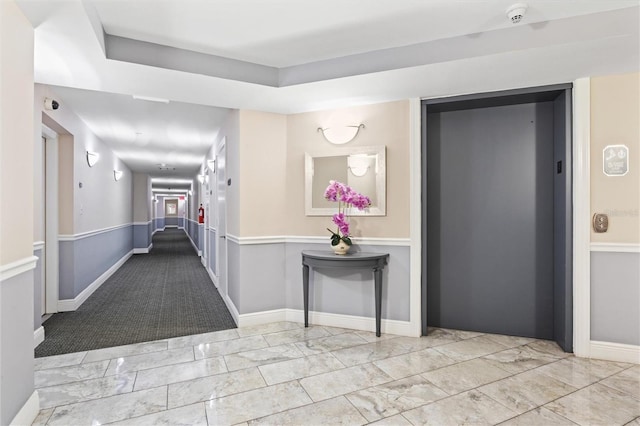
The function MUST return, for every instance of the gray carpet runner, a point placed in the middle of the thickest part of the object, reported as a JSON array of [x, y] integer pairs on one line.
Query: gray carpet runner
[[166, 293]]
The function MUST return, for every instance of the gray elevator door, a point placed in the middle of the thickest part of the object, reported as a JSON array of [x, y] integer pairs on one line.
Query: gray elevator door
[[490, 219]]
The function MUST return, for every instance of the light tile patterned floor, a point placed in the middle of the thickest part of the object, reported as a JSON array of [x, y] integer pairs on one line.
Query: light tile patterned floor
[[282, 373]]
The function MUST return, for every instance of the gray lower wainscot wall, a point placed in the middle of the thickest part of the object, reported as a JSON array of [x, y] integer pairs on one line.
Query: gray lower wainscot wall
[[192, 228], [264, 277], [213, 246], [83, 260], [16, 343], [615, 297], [141, 235], [159, 222]]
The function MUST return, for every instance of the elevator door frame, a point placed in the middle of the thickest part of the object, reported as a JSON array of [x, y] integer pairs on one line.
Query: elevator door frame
[[563, 244]]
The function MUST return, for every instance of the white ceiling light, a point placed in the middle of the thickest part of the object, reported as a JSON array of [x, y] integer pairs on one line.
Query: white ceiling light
[[117, 174], [516, 12], [92, 158], [341, 134], [170, 181], [150, 99], [180, 191]]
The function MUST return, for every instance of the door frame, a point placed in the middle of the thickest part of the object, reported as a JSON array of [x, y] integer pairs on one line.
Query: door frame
[[221, 212], [533, 94], [206, 203], [51, 246]]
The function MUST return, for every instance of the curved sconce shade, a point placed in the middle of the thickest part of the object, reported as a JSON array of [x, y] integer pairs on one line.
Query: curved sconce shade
[[201, 178], [117, 174], [340, 135], [212, 165], [92, 158]]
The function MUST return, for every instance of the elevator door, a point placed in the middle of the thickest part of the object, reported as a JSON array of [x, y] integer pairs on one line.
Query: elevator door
[[490, 219]]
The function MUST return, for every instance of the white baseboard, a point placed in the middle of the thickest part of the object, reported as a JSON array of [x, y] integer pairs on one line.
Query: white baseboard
[[615, 352], [38, 336], [232, 309], [67, 305], [143, 250], [264, 317], [214, 279], [195, 247], [401, 328], [28, 412]]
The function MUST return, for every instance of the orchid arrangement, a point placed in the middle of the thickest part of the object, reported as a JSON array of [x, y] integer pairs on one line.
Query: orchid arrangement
[[346, 198]]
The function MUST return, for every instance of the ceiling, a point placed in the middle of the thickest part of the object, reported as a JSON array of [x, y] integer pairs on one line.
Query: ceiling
[[289, 56]]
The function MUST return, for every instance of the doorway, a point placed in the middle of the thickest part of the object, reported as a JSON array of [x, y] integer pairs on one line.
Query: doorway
[[497, 229]]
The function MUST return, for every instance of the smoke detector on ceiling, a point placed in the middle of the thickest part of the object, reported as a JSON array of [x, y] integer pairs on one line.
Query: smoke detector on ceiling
[[516, 12]]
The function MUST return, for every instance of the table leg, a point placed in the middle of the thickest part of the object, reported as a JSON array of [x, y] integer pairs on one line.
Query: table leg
[[305, 293], [378, 283]]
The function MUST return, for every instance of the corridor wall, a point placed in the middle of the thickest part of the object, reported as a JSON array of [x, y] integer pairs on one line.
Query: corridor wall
[[18, 400], [615, 254], [95, 234], [142, 213]]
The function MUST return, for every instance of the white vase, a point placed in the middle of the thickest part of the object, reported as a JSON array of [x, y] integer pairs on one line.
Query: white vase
[[341, 248]]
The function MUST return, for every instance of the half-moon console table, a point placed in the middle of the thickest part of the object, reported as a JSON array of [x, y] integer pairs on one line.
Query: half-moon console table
[[327, 259]]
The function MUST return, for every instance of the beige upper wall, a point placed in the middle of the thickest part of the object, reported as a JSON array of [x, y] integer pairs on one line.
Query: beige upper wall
[[264, 198], [270, 185], [385, 124], [615, 120], [141, 197], [16, 135], [65, 184]]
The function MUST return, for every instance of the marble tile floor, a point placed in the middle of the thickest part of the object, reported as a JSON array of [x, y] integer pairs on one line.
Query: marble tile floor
[[282, 373]]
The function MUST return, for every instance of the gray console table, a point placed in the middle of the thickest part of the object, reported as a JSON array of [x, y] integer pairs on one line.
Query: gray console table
[[327, 259]]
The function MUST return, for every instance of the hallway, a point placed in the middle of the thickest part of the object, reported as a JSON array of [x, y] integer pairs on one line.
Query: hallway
[[166, 293], [282, 373]]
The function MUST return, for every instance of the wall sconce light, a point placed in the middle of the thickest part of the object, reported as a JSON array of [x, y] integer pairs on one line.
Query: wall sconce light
[[201, 178], [92, 158], [117, 174], [212, 165], [340, 135]]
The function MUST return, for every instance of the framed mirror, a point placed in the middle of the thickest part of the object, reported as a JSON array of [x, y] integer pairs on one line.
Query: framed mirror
[[362, 168]]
